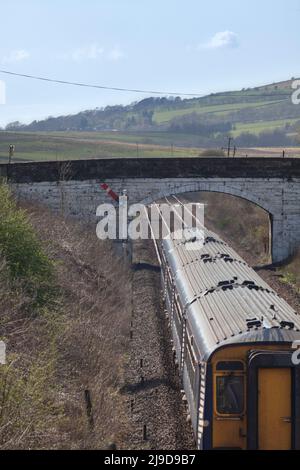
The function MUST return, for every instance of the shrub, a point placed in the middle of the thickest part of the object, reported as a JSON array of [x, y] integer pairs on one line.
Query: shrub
[[23, 252]]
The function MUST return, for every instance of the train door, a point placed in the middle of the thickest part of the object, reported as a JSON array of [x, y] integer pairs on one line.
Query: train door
[[274, 408]]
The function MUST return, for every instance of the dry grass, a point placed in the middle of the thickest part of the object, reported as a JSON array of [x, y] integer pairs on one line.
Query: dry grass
[[80, 345], [291, 272], [28, 405], [243, 225]]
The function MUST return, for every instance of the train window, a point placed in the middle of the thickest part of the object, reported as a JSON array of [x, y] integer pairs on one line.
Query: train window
[[178, 308], [169, 279], [230, 394], [190, 361], [178, 316], [169, 282], [230, 366]]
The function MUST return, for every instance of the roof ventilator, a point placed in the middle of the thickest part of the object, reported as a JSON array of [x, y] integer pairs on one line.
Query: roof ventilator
[[253, 322], [211, 240], [227, 285], [287, 324], [251, 285], [228, 259]]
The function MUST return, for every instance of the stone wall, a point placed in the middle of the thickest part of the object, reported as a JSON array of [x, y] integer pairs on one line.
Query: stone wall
[[278, 197]]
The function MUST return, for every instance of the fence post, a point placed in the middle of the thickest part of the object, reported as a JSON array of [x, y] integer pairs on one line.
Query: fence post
[[89, 407], [145, 437]]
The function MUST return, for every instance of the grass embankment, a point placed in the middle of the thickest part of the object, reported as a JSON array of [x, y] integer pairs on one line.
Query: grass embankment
[[27, 297], [291, 272], [64, 306]]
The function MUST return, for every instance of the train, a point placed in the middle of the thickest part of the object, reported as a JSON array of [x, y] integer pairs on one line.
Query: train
[[233, 340]]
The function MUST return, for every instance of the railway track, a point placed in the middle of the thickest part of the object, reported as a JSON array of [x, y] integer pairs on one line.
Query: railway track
[[154, 398]]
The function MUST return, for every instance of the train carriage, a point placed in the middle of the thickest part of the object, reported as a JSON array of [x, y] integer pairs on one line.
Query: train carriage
[[233, 338]]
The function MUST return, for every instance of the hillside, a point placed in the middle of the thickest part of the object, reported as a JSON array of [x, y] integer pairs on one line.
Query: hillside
[[65, 321], [284, 85], [260, 117]]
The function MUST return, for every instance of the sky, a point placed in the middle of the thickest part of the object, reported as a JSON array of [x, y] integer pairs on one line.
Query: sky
[[190, 46]]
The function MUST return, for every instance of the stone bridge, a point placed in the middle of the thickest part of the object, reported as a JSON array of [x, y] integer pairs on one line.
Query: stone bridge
[[74, 186]]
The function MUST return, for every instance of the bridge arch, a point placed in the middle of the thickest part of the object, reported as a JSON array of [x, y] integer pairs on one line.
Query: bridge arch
[[227, 188], [223, 188]]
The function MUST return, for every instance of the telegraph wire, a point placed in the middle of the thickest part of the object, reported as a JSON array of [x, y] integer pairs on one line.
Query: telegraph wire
[[102, 87], [134, 90]]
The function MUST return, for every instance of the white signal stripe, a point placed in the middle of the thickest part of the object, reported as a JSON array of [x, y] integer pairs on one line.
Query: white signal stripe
[[110, 192]]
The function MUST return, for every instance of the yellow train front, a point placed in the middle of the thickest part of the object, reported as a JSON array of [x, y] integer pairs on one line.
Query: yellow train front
[[233, 339]]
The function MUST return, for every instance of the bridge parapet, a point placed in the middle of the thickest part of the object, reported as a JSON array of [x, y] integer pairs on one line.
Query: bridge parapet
[[217, 167]]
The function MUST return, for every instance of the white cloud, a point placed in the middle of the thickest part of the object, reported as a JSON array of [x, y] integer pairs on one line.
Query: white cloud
[[91, 52], [115, 54], [221, 40], [15, 56]]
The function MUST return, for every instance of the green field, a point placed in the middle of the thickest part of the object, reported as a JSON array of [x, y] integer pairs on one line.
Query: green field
[[86, 145], [47, 146], [217, 110], [259, 127]]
